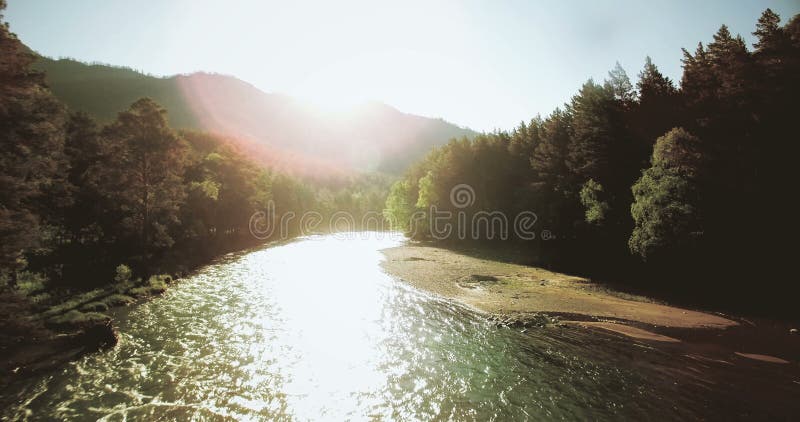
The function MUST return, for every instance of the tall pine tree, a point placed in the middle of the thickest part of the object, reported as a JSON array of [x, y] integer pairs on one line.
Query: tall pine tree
[[143, 174], [32, 162]]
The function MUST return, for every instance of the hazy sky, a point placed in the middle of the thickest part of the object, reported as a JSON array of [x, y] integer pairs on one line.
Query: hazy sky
[[482, 64]]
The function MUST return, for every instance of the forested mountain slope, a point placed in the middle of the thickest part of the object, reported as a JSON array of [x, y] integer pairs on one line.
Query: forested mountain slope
[[282, 130]]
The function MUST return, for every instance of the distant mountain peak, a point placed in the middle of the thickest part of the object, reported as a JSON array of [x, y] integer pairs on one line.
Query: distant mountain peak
[[281, 130]]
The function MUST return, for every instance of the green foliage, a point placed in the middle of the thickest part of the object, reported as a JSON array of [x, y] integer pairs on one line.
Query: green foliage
[[74, 192], [398, 209], [610, 158], [666, 207], [32, 162], [78, 196], [158, 284], [620, 85], [78, 319], [550, 155], [123, 274], [94, 307], [591, 197], [427, 191], [207, 188], [29, 283], [144, 178], [233, 107], [73, 302]]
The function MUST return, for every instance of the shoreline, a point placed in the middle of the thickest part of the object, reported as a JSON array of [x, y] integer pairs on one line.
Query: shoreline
[[520, 296], [512, 289], [85, 330]]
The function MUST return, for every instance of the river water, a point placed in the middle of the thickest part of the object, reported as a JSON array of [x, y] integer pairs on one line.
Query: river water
[[315, 330]]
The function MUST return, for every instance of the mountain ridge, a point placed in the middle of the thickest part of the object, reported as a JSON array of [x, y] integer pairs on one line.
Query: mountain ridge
[[275, 127]]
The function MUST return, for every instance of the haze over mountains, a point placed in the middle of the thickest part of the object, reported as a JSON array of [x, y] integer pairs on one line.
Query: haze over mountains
[[276, 129]]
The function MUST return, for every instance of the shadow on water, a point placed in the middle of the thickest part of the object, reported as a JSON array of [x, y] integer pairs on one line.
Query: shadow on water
[[314, 329]]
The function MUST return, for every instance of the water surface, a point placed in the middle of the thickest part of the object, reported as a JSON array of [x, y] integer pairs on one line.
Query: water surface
[[315, 330]]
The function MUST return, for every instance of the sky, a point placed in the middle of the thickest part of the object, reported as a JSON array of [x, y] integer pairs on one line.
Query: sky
[[482, 64]]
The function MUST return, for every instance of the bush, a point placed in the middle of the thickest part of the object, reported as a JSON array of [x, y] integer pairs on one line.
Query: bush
[[124, 287], [124, 274], [29, 283], [154, 286], [139, 291], [40, 298], [73, 302], [159, 282], [591, 197], [94, 307], [16, 319]]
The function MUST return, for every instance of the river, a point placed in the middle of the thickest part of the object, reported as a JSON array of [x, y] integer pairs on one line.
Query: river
[[314, 330]]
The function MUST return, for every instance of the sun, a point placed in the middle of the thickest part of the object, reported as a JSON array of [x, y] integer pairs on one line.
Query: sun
[[337, 87]]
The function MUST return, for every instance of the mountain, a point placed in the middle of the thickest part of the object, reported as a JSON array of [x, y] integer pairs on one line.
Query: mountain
[[276, 128]]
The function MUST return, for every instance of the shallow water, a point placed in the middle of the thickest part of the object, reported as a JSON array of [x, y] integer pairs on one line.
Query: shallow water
[[315, 330]]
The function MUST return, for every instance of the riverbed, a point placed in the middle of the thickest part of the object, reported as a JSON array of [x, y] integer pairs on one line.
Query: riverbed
[[315, 329]]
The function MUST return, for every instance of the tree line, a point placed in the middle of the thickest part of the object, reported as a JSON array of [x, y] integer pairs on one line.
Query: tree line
[[685, 186], [78, 198]]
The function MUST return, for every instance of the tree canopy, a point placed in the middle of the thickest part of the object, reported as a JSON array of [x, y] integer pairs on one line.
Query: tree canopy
[[687, 179]]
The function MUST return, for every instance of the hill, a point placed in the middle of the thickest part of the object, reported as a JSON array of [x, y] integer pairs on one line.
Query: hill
[[277, 128]]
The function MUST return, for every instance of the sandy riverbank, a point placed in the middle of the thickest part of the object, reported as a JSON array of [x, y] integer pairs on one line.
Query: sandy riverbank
[[504, 288], [516, 290], [519, 295]]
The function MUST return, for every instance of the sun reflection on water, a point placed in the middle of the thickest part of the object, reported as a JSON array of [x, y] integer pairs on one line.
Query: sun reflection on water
[[315, 330], [334, 301]]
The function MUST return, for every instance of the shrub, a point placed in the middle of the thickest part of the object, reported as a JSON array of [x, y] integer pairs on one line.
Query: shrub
[[73, 302], [94, 307], [139, 291], [159, 282], [124, 274], [29, 283], [40, 298], [154, 286], [592, 195]]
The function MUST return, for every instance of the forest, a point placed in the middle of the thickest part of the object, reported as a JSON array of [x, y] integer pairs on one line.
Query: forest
[[84, 204], [681, 189], [276, 211]]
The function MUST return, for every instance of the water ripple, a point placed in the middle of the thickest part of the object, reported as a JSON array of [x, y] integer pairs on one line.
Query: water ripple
[[315, 330]]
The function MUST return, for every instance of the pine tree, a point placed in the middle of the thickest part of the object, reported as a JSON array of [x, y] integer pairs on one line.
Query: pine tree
[[84, 150], [771, 37], [620, 85], [143, 174], [549, 159], [590, 147], [32, 163], [602, 147], [698, 82], [658, 108], [653, 86]]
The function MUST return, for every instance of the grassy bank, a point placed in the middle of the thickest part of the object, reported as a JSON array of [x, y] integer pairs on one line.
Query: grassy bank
[[45, 325]]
